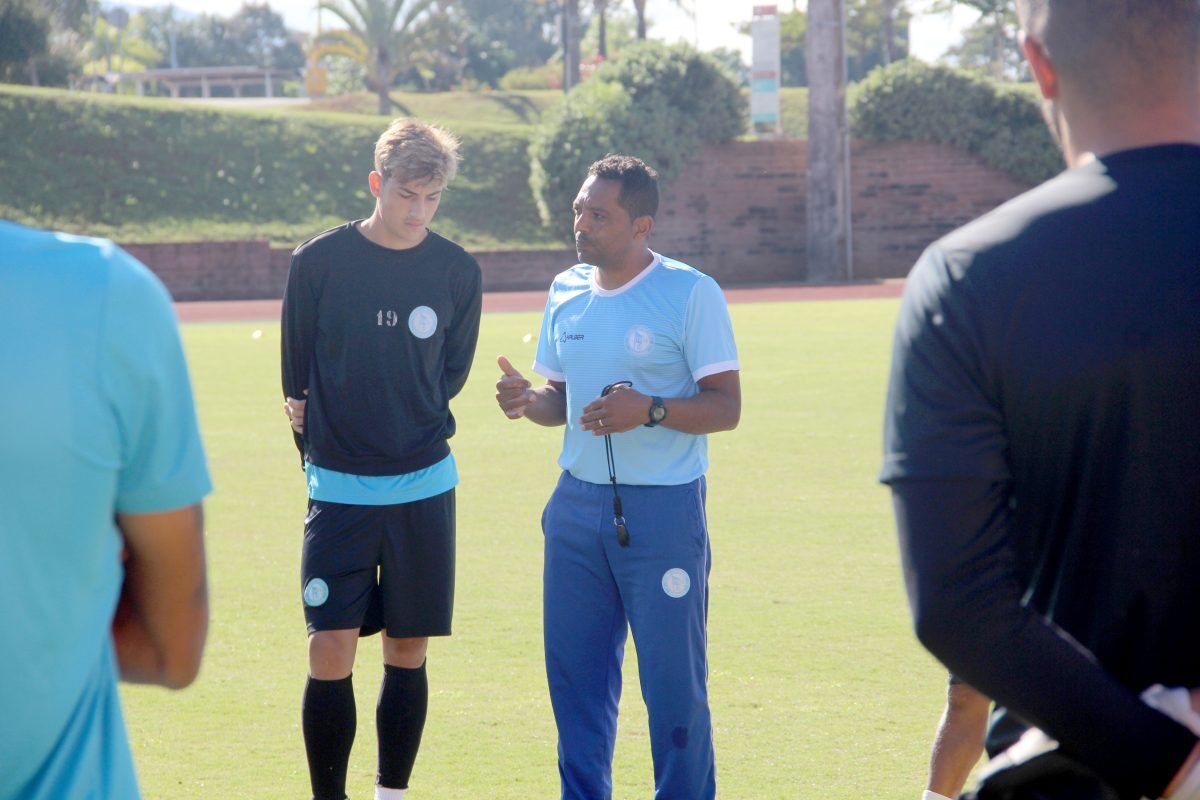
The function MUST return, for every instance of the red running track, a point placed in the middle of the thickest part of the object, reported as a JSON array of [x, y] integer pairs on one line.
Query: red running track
[[249, 310]]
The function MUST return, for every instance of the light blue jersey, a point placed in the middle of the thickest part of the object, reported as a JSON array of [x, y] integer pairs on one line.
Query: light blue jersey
[[331, 486], [664, 330], [97, 417]]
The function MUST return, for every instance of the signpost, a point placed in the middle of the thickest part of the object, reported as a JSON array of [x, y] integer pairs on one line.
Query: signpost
[[765, 72]]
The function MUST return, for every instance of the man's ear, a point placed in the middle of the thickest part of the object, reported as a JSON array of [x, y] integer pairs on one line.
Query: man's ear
[[642, 226], [375, 183], [1039, 64]]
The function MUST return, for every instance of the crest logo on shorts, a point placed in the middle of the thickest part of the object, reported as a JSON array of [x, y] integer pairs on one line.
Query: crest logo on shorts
[[422, 322], [676, 582], [316, 592], [639, 340]]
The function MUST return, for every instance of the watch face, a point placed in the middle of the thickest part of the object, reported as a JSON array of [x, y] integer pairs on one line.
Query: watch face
[[657, 412]]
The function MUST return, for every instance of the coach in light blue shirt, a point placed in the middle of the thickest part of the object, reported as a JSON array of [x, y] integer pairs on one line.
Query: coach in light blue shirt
[[641, 364], [101, 477]]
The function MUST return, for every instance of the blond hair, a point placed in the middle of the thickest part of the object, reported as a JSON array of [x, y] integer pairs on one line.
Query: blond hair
[[414, 151]]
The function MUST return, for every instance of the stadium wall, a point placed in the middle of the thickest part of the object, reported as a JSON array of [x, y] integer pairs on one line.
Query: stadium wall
[[737, 212]]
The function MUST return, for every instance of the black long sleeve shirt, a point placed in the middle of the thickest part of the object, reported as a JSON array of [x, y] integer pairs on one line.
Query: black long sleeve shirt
[[1043, 447], [381, 339]]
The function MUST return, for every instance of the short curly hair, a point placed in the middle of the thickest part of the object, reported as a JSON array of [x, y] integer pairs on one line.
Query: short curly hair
[[639, 183], [414, 151]]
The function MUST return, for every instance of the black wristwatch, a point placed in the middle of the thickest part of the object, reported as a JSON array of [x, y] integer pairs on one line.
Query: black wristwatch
[[658, 412]]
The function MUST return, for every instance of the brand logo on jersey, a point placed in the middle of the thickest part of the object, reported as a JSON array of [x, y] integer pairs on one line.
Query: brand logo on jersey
[[316, 592], [639, 340], [571, 337], [676, 582], [422, 322]]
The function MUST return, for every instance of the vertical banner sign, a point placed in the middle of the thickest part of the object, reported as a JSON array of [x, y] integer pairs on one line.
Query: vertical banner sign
[[765, 70]]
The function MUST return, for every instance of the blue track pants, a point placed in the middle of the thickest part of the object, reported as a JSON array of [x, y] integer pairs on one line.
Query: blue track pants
[[658, 587]]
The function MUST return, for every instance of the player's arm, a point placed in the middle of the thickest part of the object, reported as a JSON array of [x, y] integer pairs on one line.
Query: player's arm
[[161, 619], [717, 407], [958, 743], [298, 327], [968, 611], [516, 396], [464, 333]]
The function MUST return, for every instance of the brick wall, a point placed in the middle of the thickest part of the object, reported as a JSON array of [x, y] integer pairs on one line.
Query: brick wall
[[253, 270], [737, 213], [247, 270], [909, 194], [514, 270]]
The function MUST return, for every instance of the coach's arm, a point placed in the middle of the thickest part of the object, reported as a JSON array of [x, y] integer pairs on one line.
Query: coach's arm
[[161, 619], [716, 407], [545, 405]]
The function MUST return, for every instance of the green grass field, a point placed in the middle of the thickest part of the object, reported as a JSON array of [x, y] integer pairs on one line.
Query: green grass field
[[819, 689]]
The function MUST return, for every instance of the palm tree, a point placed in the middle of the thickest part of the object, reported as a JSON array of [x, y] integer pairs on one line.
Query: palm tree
[[379, 35]]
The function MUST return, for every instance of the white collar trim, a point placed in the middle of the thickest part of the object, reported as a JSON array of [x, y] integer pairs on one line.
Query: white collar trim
[[602, 292]]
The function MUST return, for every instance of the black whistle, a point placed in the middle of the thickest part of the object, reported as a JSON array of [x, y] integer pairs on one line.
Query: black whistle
[[622, 531]]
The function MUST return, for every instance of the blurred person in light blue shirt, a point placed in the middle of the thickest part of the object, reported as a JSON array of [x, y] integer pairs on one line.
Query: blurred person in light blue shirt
[[101, 477]]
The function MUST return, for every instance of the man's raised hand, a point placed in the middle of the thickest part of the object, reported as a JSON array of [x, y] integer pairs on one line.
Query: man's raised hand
[[513, 392]]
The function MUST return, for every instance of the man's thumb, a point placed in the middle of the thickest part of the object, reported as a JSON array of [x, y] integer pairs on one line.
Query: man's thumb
[[507, 368]]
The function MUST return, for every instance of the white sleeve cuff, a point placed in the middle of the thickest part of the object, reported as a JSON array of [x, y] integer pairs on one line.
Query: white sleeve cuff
[[1176, 703], [714, 369], [547, 373], [930, 795]]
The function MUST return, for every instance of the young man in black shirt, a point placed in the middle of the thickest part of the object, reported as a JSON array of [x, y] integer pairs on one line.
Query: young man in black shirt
[[380, 321], [1043, 423]]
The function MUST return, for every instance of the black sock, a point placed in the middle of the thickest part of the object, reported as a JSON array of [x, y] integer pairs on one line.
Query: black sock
[[399, 720], [328, 719]]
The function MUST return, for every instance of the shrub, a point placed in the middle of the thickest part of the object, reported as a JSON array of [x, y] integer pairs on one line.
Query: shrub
[[1002, 125], [661, 104], [546, 76], [101, 164]]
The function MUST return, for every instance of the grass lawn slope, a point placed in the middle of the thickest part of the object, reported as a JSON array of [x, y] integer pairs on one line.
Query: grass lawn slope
[[157, 170]]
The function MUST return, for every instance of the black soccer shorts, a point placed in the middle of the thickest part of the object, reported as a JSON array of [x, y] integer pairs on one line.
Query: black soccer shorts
[[379, 567]]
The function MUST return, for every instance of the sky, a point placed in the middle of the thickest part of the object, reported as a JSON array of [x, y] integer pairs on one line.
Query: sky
[[713, 25]]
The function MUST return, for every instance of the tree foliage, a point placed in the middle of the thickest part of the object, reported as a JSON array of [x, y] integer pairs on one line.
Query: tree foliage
[[507, 35], [380, 35], [254, 36], [24, 31], [1003, 125], [989, 46], [660, 103]]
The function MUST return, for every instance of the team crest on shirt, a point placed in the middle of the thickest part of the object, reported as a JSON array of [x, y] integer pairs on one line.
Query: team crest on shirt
[[676, 582], [422, 322], [639, 340], [316, 592]]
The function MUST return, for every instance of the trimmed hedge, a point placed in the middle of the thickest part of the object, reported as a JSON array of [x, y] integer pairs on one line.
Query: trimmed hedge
[[659, 103], [118, 167], [1003, 125]]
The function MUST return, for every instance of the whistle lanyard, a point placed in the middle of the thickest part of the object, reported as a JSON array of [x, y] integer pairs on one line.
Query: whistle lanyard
[[618, 515]]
